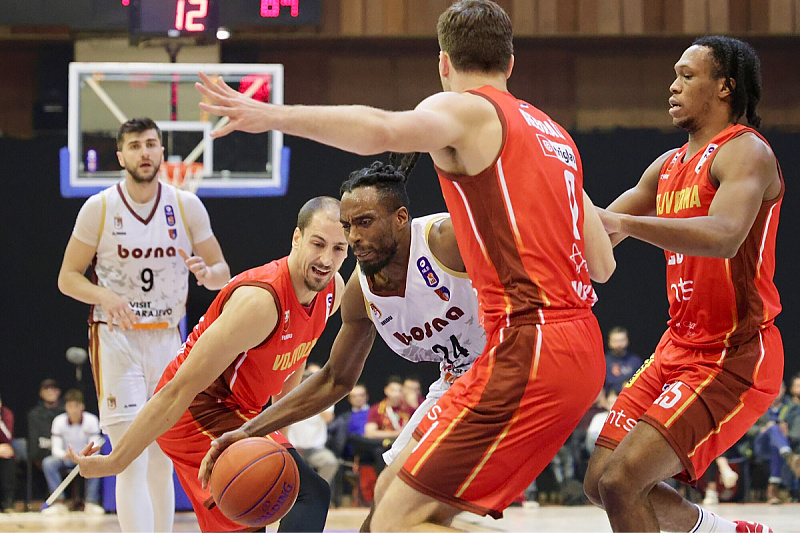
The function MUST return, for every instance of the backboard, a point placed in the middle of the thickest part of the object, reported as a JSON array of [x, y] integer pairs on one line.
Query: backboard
[[104, 95]]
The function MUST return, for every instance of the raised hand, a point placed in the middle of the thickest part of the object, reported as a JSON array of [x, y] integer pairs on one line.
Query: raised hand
[[197, 265], [243, 113]]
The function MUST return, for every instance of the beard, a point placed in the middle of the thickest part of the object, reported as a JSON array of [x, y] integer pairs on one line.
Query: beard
[[316, 285], [382, 257], [139, 177]]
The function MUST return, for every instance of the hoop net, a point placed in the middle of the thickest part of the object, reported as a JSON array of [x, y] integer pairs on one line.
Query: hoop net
[[186, 176]]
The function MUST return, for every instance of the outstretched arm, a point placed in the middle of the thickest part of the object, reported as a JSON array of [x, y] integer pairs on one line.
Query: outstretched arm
[[319, 391], [247, 319], [747, 174], [439, 121]]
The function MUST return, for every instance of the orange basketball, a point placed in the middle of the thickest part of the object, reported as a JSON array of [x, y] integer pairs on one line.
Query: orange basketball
[[255, 482]]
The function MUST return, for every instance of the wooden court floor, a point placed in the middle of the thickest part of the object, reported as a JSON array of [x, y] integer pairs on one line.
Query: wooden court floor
[[782, 518]]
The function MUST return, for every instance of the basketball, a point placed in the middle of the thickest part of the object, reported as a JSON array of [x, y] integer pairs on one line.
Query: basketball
[[255, 482]]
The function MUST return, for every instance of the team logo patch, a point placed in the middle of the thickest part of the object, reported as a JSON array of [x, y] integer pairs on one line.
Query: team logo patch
[[286, 321], [170, 215], [117, 222], [329, 304], [375, 310], [443, 293], [173, 233], [706, 155], [112, 403], [523, 105], [427, 272]]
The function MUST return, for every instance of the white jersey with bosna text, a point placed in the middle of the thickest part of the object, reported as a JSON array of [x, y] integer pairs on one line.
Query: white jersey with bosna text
[[437, 319], [137, 258]]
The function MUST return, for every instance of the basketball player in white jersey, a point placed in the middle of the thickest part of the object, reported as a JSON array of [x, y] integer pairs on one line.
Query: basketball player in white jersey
[[411, 287], [139, 236]]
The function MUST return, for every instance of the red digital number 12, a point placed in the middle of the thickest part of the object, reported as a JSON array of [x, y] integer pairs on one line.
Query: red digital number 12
[[187, 20]]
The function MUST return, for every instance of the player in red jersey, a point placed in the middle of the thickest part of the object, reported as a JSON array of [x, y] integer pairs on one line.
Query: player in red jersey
[[252, 344], [513, 182], [713, 206]]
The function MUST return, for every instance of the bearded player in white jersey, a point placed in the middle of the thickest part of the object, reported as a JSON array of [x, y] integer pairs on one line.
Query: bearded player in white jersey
[[411, 287], [141, 237]]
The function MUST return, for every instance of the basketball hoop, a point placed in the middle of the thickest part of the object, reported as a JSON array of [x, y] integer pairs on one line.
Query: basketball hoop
[[186, 176]]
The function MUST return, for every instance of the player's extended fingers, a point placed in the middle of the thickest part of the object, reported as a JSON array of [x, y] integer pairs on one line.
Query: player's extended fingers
[[208, 86], [223, 131], [183, 254]]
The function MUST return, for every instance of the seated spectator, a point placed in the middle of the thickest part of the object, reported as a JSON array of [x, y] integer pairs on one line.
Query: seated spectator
[[412, 391], [7, 465], [40, 420], [351, 422], [621, 363], [75, 428], [387, 418], [309, 437], [722, 469]]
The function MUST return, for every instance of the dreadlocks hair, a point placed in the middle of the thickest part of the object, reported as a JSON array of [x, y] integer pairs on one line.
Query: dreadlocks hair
[[388, 178], [737, 62]]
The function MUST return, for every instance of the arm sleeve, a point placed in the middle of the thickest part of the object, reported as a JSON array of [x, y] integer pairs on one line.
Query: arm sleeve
[[87, 225], [57, 440], [197, 218]]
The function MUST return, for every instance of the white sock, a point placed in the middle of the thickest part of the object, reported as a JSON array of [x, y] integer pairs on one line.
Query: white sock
[[708, 522], [162, 490], [134, 506]]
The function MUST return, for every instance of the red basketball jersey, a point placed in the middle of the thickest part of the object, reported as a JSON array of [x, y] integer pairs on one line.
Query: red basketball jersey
[[259, 373], [519, 223], [717, 302]]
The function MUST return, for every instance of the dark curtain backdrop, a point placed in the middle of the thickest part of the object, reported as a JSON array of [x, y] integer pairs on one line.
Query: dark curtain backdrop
[[39, 323]]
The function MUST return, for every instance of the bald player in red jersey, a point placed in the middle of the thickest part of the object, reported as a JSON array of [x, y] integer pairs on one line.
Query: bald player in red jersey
[[513, 183], [713, 206], [251, 345]]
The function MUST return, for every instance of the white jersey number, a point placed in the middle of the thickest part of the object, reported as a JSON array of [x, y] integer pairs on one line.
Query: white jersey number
[[569, 177]]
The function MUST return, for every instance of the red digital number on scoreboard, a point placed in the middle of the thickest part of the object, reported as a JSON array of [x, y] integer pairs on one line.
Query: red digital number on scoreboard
[[190, 19], [272, 8]]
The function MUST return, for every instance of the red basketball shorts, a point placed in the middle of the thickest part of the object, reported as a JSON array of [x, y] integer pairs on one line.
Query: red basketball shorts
[[188, 442], [500, 424], [701, 400]]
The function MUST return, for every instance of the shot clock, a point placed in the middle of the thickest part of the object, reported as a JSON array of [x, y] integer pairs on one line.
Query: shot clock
[[199, 18]]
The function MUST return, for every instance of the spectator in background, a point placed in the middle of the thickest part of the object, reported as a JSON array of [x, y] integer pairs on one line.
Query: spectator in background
[[40, 420], [387, 418], [7, 466], [789, 423], [309, 437], [621, 363], [412, 391], [74, 428], [349, 423]]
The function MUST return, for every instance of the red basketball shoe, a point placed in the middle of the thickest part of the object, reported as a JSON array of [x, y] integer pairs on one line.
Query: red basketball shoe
[[743, 526]]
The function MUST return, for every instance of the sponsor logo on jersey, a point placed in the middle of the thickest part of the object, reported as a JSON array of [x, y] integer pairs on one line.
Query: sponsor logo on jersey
[[443, 293], [173, 233], [523, 105], [386, 320], [562, 152], [117, 222], [286, 316], [427, 330], [170, 215], [675, 201], [288, 359], [111, 402], [704, 158], [375, 310], [138, 253], [425, 268], [328, 305]]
